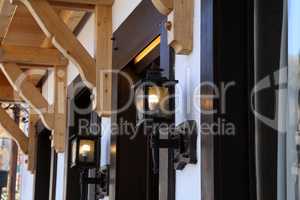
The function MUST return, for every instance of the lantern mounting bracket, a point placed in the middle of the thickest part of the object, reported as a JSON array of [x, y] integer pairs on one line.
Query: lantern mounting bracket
[[183, 140], [101, 180]]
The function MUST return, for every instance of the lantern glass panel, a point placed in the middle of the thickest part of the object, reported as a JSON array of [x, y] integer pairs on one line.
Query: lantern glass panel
[[158, 100], [87, 150]]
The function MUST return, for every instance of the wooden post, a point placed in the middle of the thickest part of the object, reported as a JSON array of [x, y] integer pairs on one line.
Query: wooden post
[[32, 149], [60, 111], [104, 59]]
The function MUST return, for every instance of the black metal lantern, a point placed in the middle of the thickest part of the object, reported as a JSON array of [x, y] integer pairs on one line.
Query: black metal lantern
[[152, 96], [155, 104], [85, 151]]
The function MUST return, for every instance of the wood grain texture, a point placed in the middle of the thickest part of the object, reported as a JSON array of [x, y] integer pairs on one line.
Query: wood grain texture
[[31, 55], [181, 26], [32, 149], [60, 111], [104, 59], [66, 6], [10, 126], [23, 30]]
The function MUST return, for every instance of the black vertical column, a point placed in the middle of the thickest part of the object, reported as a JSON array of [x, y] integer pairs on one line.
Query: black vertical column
[[268, 32], [234, 167]]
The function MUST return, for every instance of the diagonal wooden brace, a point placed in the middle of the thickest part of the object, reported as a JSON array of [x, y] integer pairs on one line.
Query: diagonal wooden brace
[[10, 126], [28, 92]]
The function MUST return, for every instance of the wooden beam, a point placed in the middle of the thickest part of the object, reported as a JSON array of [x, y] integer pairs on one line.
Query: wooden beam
[[73, 6], [104, 59], [180, 26], [28, 92], [60, 111], [163, 6], [31, 55], [91, 2], [71, 19], [62, 38], [32, 149], [10, 126]]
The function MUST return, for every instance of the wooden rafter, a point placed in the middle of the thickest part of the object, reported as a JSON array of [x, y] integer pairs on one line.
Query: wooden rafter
[[27, 91], [73, 6], [31, 55], [62, 38], [104, 59], [9, 125]]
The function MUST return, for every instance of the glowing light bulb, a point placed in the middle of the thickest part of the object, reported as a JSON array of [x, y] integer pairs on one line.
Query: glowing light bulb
[[85, 150]]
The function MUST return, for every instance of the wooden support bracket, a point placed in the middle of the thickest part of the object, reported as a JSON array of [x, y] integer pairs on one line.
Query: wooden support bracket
[[103, 35], [62, 38], [28, 92], [180, 23], [10, 126], [60, 111]]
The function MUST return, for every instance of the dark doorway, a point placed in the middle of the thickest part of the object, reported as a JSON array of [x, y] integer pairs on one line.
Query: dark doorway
[[131, 161], [43, 166]]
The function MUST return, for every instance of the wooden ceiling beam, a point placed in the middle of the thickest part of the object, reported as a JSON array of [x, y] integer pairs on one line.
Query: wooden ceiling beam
[[73, 6], [89, 2], [31, 55], [11, 128], [28, 92], [63, 38]]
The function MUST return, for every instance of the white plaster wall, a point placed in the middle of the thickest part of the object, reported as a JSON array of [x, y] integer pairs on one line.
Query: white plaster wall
[[26, 185], [187, 69]]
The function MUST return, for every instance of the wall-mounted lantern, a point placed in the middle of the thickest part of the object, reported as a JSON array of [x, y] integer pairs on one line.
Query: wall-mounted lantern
[[152, 96], [85, 151], [154, 103]]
